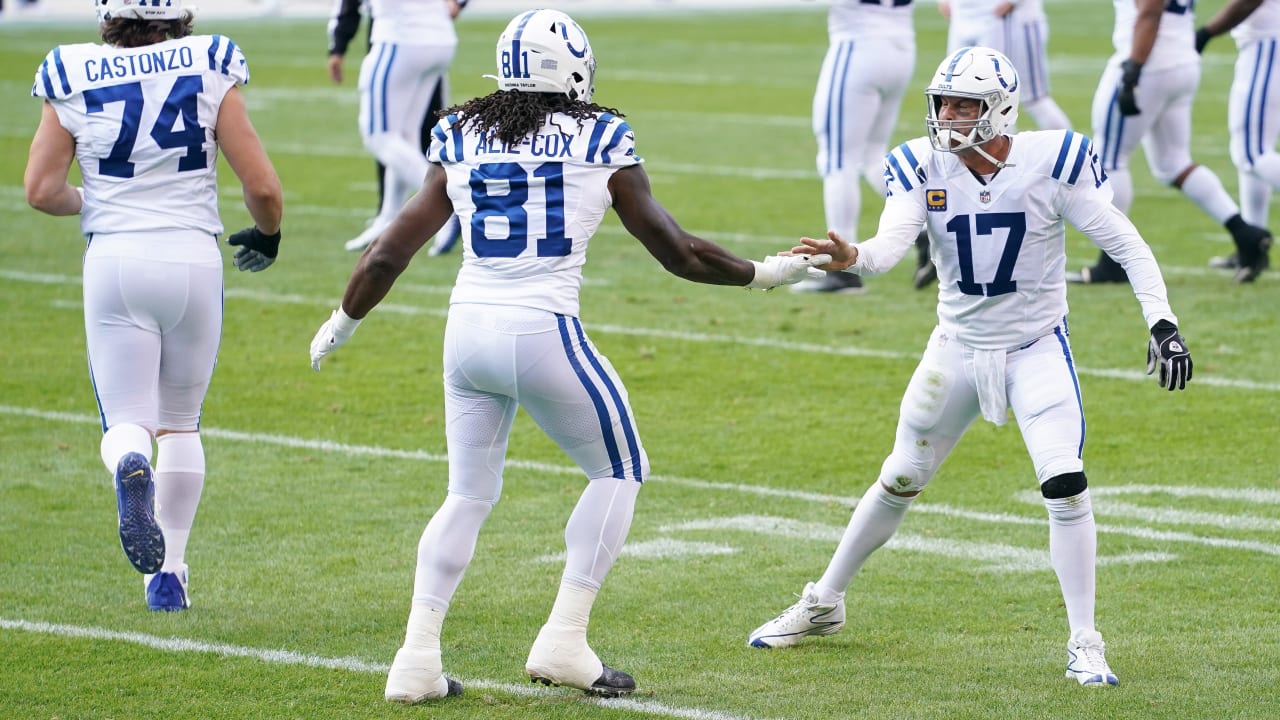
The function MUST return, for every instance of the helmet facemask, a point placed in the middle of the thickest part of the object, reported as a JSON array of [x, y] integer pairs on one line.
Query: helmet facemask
[[979, 74]]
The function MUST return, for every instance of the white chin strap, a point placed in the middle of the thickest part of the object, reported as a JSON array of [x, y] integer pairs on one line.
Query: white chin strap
[[1000, 165]]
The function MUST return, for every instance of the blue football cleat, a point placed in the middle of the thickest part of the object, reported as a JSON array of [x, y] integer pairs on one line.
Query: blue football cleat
[[140, 534], [167, 592]]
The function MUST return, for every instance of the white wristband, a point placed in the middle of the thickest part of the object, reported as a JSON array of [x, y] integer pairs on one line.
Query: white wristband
[[344, 323]]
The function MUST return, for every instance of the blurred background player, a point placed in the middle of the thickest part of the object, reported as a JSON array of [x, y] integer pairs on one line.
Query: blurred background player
[[513, 338], [996, 206], [412, 43], [147, 142], [871, 54], [1020, 31], [343, 25], [1145, 95], [1253, 108]]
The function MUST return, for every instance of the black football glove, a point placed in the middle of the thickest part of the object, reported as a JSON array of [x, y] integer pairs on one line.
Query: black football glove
[[1125, 99], [1168, 351], [257, 250], [1203, 36]]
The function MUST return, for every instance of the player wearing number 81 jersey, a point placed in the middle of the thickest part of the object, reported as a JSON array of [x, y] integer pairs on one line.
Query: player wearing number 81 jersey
[[530, 171]]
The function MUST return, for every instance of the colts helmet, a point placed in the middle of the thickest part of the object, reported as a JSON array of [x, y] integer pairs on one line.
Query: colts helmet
[[140, 9], [546, 51], [977, 73]]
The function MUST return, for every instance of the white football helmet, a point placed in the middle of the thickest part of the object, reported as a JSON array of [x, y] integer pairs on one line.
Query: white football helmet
[[546, 51], [978, 73], [140, 9]]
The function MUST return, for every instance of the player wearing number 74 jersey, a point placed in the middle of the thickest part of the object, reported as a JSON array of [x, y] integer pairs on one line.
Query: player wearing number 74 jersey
[[531, 171], [144, 115], [995, 205]]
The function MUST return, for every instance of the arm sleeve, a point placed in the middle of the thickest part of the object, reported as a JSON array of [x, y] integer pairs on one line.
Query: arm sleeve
[[900, 223], [1088, 208], [343, 24]]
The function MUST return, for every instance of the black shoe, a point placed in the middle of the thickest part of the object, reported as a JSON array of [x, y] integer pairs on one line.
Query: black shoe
[[1252, 251], [455, 687], [612, 683], [835, 283], [926, 273], [1098, 274]]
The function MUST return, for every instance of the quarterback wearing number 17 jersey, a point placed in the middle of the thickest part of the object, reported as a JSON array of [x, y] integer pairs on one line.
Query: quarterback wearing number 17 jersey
[[528, 210], [143, 119], [999, 242]]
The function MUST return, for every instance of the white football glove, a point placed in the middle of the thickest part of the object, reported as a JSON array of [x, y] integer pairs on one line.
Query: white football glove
[[332, 334], [786, 270]]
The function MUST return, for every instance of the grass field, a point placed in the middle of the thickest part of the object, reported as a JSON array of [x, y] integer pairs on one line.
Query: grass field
[[764, 414]]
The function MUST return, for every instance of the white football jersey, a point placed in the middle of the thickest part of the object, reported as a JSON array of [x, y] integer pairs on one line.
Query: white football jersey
[[1262, 24], [1000, 247], [529, 210], [412, 22], [880, 19], [1175, 40], [143, 120]]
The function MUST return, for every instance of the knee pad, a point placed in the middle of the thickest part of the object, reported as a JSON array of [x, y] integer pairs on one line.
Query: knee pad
[[906, 473], [1064, 486]]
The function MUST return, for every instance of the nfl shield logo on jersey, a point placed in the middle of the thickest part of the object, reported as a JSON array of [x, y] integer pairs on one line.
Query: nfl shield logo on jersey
[[984, 197]]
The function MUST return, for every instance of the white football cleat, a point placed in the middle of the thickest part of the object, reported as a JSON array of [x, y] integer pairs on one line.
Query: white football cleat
[[417, 676], [561, 656], [806, 617], [1087, 661]]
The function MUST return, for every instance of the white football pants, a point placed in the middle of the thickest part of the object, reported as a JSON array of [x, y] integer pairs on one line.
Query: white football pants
[[153, 322], [941, 402], [1253, 118]]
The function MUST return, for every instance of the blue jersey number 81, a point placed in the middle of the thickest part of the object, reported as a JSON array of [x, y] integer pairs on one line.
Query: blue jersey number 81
[[511, 205]]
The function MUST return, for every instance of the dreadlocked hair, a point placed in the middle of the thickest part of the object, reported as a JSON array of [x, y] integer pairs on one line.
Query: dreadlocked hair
[[132, 33], [512, 115]]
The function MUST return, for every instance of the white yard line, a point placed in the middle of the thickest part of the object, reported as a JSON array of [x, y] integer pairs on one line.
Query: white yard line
[[287, 657]]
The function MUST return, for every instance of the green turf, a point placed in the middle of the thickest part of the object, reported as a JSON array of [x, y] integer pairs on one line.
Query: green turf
[[757, 410]]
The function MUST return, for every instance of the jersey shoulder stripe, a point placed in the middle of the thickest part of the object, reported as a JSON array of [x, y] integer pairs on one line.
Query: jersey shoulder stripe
[[226, 58], [903, 167], [1072, 154], [446, 141], [51, 79]]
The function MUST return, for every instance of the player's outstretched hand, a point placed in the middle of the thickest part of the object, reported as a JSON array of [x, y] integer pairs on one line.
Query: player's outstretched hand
[[256, 250], [332, 334], [786, 270], [1168, 351], [843, 254]]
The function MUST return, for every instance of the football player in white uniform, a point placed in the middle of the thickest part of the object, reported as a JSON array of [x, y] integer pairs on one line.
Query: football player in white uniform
[[144, 115], [871, 54], [531, 170], [1020, 30], [1253, 111], [995, 205], [1145, 95], [413, 42]]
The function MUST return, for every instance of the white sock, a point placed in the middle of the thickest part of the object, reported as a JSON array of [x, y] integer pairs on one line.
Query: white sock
[[179, 477], [1256, 188], [572, 608], [423, 632], [874, 521], [121, 440], [1073, 547], [1206, 191]]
